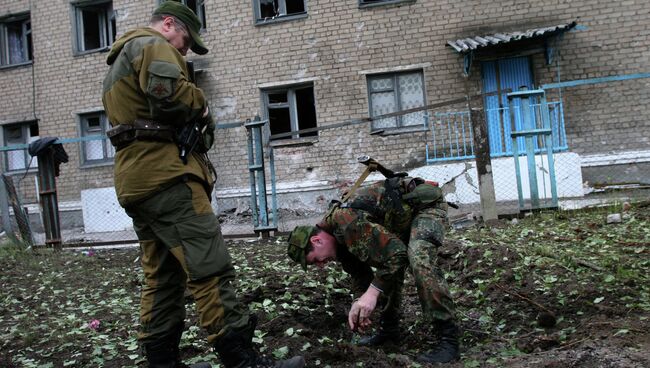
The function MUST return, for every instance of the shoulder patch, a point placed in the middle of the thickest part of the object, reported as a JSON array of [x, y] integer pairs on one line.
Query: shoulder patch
[[162, 77]]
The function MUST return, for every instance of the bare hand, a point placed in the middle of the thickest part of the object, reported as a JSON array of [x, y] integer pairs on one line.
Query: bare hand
[[361, 310]]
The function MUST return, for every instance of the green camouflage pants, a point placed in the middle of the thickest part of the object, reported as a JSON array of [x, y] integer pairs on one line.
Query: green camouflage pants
[[181, 246], [427, 234]]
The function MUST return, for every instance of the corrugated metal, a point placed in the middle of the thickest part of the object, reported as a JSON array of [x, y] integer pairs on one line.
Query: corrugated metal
[[477, 42]]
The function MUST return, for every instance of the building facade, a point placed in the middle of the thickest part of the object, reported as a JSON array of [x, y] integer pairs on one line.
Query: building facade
[[315, 64]]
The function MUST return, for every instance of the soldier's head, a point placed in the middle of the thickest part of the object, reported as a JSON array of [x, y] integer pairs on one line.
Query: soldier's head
[[180, 26], [311, 245]]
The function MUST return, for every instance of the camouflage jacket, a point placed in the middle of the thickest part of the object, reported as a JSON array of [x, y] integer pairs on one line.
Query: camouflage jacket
[[372, 229], [148, 79]]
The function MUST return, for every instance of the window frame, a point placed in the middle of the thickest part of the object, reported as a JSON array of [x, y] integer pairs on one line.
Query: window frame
[[26, 40], [373, 4], [199, 11], [293, 112], [399, 127], [25, 138], [108, 151], [107, 25], [258, 20]]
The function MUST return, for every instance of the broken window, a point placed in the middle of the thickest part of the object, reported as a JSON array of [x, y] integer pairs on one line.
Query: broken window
[[197, 6], [96, 148], [269, 10], [290, 110], [395, 92], [21, 133], [15, 40], [94, 25]]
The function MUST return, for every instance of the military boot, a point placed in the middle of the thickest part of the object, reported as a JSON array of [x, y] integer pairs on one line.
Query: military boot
[[447, 349], [165, 352], [388, 332], [235, 350]]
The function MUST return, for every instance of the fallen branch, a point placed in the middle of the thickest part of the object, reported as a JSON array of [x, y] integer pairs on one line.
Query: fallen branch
[[564, 346], [582, 262], [514, 293]]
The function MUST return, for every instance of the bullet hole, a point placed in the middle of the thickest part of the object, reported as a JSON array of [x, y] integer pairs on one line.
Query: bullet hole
[[310, 169]]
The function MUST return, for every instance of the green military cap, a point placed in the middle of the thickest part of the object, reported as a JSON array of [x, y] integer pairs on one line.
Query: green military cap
[[187, 16], [298, 242], [424, 194]]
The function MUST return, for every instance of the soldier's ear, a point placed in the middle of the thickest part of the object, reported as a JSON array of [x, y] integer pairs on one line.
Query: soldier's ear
[[315, 240]]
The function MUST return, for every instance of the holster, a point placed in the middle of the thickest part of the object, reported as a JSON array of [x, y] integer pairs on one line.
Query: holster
[[147, 130]]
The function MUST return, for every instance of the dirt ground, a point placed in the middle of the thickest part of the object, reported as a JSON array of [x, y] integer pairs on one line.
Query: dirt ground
[[551, 290]]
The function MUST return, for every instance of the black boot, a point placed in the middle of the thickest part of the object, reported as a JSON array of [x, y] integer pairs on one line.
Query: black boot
[[235, 350], [388, 333], [447, 349], [165, 353]]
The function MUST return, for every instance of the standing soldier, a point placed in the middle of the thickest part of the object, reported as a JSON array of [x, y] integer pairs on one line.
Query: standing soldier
[[149, 98], [373, 230]]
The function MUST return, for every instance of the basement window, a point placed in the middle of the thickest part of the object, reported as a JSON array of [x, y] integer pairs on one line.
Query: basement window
[[94, 25], [270, 11], [290, 110], [15, 134], [96, 148], [15, 40]]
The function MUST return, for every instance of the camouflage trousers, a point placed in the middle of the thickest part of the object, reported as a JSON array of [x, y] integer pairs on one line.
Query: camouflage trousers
[[426, 235], [182, 247]]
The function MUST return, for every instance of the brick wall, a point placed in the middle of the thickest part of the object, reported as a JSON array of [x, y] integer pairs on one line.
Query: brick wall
[[333, 47]]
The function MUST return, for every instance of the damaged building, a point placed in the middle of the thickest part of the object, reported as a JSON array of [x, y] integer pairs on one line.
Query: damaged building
[[333, 67]]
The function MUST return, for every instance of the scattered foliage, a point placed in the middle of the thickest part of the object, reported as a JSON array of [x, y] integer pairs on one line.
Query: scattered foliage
[[552, 289]]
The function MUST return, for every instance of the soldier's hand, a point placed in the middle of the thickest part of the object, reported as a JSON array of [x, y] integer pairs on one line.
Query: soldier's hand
[[361, 310]]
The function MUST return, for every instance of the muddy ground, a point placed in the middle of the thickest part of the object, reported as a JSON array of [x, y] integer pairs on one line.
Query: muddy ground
[[550, 290]]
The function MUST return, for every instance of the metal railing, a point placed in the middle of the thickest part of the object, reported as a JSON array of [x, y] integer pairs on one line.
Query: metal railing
[[452, 139]]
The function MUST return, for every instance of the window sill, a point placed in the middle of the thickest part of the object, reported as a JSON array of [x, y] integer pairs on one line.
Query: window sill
[[91, 165], [396, 131], [280, 19], [18, 65], [93, 51], [307, 141], [20, 172], [385, 3]]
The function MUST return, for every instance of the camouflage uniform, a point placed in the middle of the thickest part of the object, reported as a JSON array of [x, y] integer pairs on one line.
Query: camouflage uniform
[[169, 202], [373, 230]]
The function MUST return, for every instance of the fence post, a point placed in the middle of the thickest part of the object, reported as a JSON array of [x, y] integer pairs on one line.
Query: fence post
[[22, 219], [483, 165]]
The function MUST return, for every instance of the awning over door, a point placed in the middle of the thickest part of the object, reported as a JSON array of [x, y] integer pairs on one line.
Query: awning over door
[[465, 45], [496, 41]]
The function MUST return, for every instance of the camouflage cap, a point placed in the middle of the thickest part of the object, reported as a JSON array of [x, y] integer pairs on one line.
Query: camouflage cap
[[299, 242], [187, 16]]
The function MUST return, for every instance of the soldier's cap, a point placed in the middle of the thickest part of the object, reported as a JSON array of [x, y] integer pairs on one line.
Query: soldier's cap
[[299, 242], [191, 21]]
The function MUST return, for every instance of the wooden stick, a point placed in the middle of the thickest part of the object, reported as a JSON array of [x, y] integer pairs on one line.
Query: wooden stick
[[582, 262], [514, 293]]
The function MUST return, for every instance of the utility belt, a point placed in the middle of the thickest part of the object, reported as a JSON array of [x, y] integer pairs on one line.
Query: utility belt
[[145, 130]]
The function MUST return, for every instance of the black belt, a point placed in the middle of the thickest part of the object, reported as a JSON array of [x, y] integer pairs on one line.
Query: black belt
[[141, 129]]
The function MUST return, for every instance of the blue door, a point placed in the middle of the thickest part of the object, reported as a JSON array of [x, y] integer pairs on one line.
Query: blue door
[[501, 75]]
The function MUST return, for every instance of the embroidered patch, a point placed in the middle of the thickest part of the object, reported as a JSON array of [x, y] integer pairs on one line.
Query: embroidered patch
[[160, 87]]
